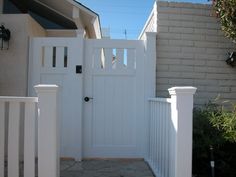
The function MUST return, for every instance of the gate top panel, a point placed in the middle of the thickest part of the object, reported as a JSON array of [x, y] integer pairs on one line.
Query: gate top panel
[[114, 57], [55, 55]]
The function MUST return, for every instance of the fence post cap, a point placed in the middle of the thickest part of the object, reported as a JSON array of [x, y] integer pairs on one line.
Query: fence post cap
[[182, 90], [45, 88]]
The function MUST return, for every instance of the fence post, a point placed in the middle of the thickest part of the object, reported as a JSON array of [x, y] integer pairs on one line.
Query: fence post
[[150, 64], [181, 131], [48, 135], [150, 77]]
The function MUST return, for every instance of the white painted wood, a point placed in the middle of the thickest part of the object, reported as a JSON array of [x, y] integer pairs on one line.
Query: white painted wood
[[70, 91], [29, 140], [48, 135], [181, 124], [131, 59], [114, 124], [48, 56], [71, 86], [119, 58], [2, 137], [97, 59], [158, 156], [108, 58], [160, 100], [60, 57], [13, 139], [18, 99], [36, 54], [149, 70]]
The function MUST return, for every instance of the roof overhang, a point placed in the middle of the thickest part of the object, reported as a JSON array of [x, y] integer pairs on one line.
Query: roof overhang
[[67, 13]]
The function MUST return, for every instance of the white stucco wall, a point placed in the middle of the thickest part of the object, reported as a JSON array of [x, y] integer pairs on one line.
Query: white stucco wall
[[191, 50], [14, 62]]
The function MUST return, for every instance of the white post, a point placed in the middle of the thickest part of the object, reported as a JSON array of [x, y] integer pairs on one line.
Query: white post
[[181, 131], [150, 77], [150, 64], [48, 135]]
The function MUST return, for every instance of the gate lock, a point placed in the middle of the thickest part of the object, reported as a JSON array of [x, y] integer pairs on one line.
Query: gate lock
[[86, 99], [78, 69]]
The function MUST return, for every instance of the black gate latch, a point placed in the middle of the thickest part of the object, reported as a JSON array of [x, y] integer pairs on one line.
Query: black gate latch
[[78, 69]]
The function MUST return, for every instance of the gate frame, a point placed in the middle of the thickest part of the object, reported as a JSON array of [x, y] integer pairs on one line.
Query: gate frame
[[149, 76]]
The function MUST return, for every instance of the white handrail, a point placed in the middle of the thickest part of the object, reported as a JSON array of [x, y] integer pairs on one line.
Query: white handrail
[[18, 99]]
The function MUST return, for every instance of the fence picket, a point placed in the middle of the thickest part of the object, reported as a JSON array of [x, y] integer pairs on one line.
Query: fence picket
[[2, 137], [13, 139], [159, 152], [29, 140]]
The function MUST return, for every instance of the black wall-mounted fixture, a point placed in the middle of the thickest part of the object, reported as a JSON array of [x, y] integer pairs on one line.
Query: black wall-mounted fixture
[[231, 60], [5, 36]]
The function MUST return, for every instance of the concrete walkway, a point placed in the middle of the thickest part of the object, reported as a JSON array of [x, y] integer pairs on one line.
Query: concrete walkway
[[105, 168]]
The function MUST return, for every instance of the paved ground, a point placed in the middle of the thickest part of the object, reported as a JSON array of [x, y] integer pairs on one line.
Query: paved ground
[[105, 168]]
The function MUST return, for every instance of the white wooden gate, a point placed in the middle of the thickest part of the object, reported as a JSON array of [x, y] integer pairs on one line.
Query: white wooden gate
[[54, 61], [114, 115], [117, 76]]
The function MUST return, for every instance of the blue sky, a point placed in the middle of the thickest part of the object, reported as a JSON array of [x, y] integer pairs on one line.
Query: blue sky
[[124, 15]]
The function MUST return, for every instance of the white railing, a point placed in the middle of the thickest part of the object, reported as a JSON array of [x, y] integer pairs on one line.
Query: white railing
[[159, 135], [28, 131], [170, 133]]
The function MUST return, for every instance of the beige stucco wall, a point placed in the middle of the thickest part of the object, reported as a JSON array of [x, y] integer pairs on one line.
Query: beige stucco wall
[[61, 33], [14, 62], [191, 51]]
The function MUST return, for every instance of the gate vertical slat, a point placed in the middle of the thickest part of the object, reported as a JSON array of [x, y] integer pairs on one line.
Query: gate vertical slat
[[13, 139], [2, 137], [130, 58], [108, 58], [120, 58], [48, 56], [29, 140], [97, 58]]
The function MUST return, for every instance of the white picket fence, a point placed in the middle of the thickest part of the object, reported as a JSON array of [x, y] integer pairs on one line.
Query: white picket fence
[[29, 131], [159, 135], [170, 133]]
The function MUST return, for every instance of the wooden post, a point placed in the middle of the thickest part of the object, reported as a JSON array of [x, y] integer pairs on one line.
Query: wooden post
[[181, 131], [150, 77], [150, 68], [48, 135]]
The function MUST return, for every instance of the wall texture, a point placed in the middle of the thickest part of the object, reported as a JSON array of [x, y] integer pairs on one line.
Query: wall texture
[[14, 62], [191, 50]]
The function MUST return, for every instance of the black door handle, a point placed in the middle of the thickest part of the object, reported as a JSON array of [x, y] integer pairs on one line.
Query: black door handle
[[86, 99]]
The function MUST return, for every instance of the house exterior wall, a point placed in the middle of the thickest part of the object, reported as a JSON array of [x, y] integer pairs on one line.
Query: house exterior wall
[[191, 50], [14, 62], [61, 33]]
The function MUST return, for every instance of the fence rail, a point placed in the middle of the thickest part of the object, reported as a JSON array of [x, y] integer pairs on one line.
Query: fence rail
[[19, 122]]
